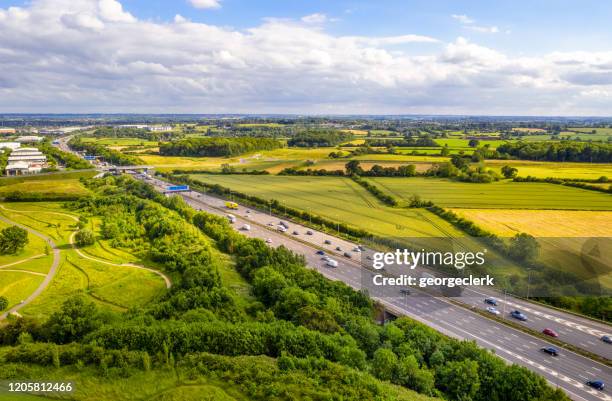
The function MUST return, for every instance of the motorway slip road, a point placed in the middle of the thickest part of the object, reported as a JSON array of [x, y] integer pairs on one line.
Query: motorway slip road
[[569, 371]]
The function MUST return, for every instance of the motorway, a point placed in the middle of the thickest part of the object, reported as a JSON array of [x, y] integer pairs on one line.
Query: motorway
[[568, 371]]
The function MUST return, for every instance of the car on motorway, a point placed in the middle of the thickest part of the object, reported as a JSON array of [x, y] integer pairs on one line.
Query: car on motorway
[[493, 310], [550, 351], [347, 255], [327, 242], [270, 224], [596, 384], [607, 339], [332, 263], [282, 223], [550, 332], [320, 252], [338, 248], [296, 233], [248, 211], [308, 232], [518, 315], [282, 229], [491, 301], [326, 258], [246, 227], [356, 249], [268, 240]]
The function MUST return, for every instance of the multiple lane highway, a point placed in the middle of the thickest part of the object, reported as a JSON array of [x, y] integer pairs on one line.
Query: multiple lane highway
[[569, 370]]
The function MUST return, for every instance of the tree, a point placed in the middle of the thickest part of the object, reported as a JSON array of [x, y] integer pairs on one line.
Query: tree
[[84, 238], [3, 303], [524, 247], [75, 319], [459, 161], [473, 143], [12, 240], [459, 379], [509, 172], [445, 151], [384, 364], [353, 167]]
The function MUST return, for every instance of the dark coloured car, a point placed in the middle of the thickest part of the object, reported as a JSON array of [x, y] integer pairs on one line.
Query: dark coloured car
[[550, 332], [518, 315], [348, 255], [308, 232], [338, 248], [607, 339], [491, 301], [550, 351], [596, 384], [328, 242], [295, 233], [320, 252]]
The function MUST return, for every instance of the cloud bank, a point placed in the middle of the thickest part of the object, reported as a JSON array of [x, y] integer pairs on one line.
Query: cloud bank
[[94, 56]]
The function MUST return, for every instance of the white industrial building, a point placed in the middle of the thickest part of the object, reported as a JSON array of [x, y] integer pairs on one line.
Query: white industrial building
[[160, 128], [29, 139], [25, 161], [10, 145]]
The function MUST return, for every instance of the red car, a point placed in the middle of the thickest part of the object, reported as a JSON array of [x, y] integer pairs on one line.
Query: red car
[[550, 332]]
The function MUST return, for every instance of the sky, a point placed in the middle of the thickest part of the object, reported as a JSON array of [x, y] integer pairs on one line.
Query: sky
[[540, 57]]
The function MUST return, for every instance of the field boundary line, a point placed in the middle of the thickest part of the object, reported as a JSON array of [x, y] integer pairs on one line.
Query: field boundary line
[[23, 271], [22, 260]]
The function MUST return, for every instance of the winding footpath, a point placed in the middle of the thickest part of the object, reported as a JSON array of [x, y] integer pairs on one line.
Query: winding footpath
[[48, 277], [56, 259]]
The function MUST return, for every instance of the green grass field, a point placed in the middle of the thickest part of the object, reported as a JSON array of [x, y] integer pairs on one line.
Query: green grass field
[[113, 287], [338, 199], [503, 194]]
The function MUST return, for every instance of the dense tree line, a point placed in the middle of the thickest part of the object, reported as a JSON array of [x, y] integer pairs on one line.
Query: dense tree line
[[421, 141], [58, 156], [128, 132], [319, 138], [109, 155], [565, 151], [217, 146]]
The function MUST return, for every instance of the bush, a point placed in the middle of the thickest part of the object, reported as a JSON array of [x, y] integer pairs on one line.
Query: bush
[[3, 303], [84, 237]]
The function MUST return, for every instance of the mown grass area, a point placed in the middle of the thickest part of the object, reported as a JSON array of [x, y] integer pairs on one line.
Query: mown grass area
[[47, 187], [338, 199], [17, 286], [56, 176], [503, 194], [458, 143]]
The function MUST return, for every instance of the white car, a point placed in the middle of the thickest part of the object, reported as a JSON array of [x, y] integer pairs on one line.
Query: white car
[[326, 258], [246, 227], [332, 263], [268, 241], [493, 310], [282, 229]]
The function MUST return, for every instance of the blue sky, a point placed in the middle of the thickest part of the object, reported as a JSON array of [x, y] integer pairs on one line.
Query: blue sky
[[464, 57]]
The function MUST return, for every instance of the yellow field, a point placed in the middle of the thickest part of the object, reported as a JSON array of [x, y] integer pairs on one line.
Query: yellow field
[[541, 223], [555, 169]]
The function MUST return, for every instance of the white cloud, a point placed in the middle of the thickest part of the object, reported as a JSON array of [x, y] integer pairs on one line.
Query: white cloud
[[316, 18], [112, 10], [462, 18], [91, 56], [206, 3], [468, 23], [394, 40]]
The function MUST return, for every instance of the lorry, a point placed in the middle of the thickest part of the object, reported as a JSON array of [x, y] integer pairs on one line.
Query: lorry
[[231, 205]]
